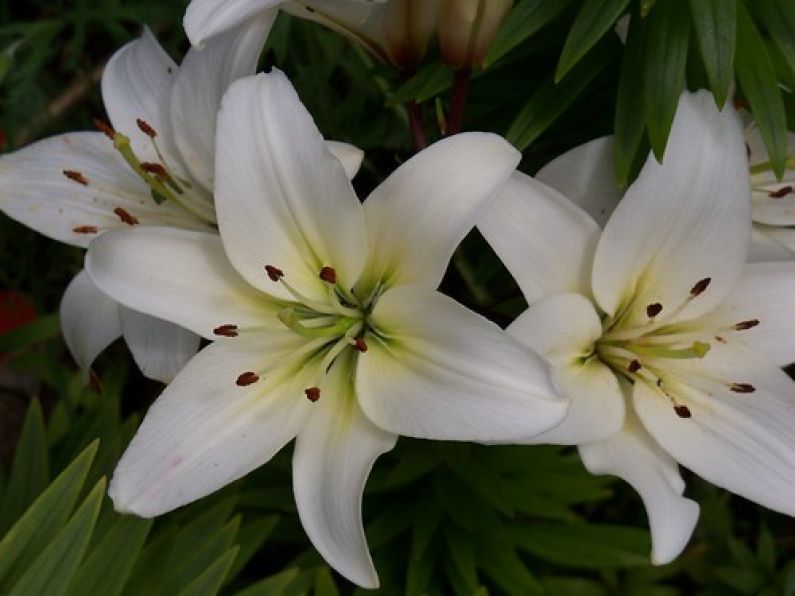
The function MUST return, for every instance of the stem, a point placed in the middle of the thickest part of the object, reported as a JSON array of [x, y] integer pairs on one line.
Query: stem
[[418, 139], [458, 101]]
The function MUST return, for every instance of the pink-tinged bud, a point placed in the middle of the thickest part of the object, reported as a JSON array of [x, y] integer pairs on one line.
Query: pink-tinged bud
[[407, 27], [467, 29]]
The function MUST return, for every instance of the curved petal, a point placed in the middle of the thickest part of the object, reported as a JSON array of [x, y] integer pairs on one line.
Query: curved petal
[[282, 198], [586, 174], [203, 77], [680, 222], [634, 456], [207, 18], [334, 453], [205, 431], [544, 239], [349, 156], [35, 190], [422, 211], [89, 320], [436, 370], [160, 349], [738, 440], [564, 328], [769, 243], [178, 276]]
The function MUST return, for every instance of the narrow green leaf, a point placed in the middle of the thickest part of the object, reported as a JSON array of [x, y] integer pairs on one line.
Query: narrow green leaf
[[596, 17], [461, 555], [30, 473], [779, 18], [428, 82], [52, 571], [715, 29], [757, 78], [324, 584], [251, 537], [108, 565], [211, 579], [43, 519], [524, 20], [36, 331], [665, 56], [275, 585]]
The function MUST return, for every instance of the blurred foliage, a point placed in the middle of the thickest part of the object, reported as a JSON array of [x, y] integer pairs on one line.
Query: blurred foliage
[[440, 518]]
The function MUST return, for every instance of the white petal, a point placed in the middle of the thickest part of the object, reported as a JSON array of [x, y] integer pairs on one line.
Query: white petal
[[440, 371], [282, 198], [89, 320], [348, 155], [680, 222], [634, 456], [35, 191], [769, 243], [564, 328], [420, 213], [334, 453], [587, 176], [179, 276], [207, 18], [205, 431], [160, 349], [203, 77], [738, 441], [544, 239]]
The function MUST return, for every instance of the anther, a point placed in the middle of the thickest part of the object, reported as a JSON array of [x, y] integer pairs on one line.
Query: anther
[[653, 309], [359, 344], [274, 272], [682, 411], [76, 177], [229, 330], [634, 366], [312, 394], [328, 275], [146, 128], [126, 216], [247, 378], [742, 387], [781, 192], [700, 287], [154, 168], [743, 325], [85, 230], [104, 128]]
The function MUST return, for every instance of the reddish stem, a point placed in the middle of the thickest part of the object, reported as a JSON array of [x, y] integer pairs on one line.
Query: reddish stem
[[458, 101], [417, 130]]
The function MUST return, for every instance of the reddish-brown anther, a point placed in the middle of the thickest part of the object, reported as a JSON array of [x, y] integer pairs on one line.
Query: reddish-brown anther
[[700, 287], [85, 230], [742, 387], [360, 344], [126, 216], [653, 309], [247, 378], [76, 176], [274, 272], [682, 411], [781, 192], [312, 394], [328, 275], [146, 128], [154, 168], [743, 325], [634, 366], [229, 330], [105, 128]]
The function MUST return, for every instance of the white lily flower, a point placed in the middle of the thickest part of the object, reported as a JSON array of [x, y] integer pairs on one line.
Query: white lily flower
[[666, 341], [329, 328], [156, 170]]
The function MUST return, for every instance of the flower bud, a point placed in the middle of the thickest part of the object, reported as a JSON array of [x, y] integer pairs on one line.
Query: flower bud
[[407, 28], [467, 29]]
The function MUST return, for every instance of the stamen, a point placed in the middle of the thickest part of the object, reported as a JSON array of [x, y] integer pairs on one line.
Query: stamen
[[247, 378], [700, 287], [653, 309], [154, 168], [682, 411], [699, 349], [146, 128], [742, 387], [126, 216], [781, 192], [228, 330], [274, 273], [743, 325], [359, 344], [328, 275], [340, 325], [634, 366], [85, 230], [76, 176], [312, 394], [104, 128]]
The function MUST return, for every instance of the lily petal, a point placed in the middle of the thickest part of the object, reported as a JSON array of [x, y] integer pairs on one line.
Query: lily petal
[[334, 453], [634, 456], [423, 210], [179, 276], [437, 370], [770, 243], [740, 440], [544, 239], [207, 18], [564, 328], [586, 174], [681, 222], [282, 198], [35, 190], [89, 320], [160, 349], [205, 431], [349, 156]]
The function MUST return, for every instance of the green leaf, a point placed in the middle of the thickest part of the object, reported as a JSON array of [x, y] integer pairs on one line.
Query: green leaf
[[43, 519], [779, 18], [251, 537], [460, 552], [52, 571], [757, 78], [30, 473], [430, 81], [596, 17], [666, 38], [210, 580], [108, 565], [275, 585], [38, 330], [324, 584], [526, 18], [715, 28]]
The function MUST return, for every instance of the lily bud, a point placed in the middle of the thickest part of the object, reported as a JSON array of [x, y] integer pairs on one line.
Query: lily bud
[[467, 29], [407, 28]]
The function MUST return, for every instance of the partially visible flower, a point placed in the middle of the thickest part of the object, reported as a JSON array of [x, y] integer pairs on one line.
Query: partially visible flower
[[668, 344], [156, 168], [467, 29], [327, 322]]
